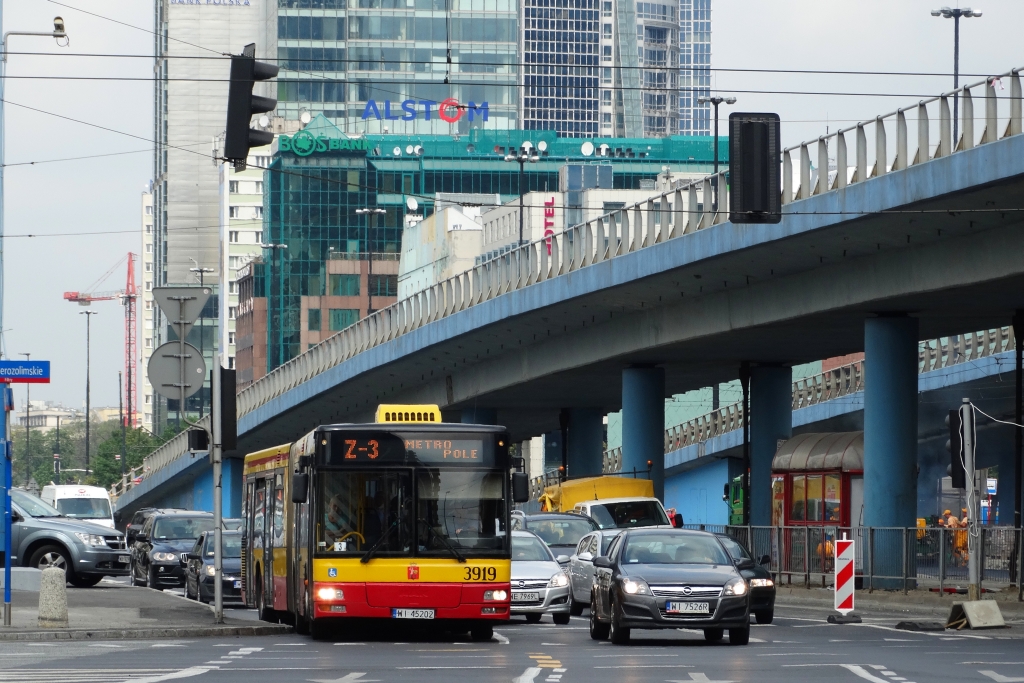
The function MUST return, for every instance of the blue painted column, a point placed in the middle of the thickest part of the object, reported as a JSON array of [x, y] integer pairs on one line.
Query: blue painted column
[[643, 423], [586, 439], [480, 416], [890, 438], [233, 487], [771, 419]]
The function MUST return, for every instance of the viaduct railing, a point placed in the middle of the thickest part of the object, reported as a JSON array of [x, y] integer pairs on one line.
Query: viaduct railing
[[674, 214]]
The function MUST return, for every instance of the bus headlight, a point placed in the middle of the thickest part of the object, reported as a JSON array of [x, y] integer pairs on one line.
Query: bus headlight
[[498, 595], [328, 593]]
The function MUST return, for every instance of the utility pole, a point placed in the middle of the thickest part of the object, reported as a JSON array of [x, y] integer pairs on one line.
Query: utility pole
[[745, 382], [201, 271], [973, 539], [715, 101], [955, 14], [56, 455], [120, 411], [28, 422], [88, 386]]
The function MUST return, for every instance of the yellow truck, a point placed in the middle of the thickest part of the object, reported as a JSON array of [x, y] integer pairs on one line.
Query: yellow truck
[[563, 497]]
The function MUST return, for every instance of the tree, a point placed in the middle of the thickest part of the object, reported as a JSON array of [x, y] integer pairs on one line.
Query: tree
[[106, 468]]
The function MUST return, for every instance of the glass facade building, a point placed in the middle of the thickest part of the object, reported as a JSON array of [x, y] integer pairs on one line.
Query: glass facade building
[[338, 56], [694, 66], [313, 190]]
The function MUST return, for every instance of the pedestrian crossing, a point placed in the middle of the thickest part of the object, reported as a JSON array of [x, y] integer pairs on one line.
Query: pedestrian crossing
[[132, 675]]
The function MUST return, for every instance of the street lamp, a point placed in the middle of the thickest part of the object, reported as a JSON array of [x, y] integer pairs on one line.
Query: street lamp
[[199, 270], [28, 419], [56, 34], [371, 231], [278, 248], [955, 14], [88, 319], [716, 101], [525, 154]]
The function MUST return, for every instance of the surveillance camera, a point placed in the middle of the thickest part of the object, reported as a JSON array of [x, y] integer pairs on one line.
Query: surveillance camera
[[58, 26]]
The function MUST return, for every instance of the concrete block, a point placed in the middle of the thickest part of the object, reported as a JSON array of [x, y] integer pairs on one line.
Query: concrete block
[[975, 614], [23, 579], [53, 599]]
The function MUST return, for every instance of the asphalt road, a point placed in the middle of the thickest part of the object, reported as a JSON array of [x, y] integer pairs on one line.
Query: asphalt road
[[799, 646]]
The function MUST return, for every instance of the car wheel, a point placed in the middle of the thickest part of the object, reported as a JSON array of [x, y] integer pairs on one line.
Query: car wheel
[[713, 635], [575, 607], [739, 636], [561, 618], [532, 618], [84, 581], [618, 634], [481, 633], [598, 631], [151, 579], [765, 617], [133, 580], [50, 556]]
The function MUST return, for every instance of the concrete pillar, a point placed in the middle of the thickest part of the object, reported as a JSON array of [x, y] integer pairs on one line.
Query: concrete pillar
[[643, 423], [480, 416], [771, 419], [890, 437], [233, 487], [586, 438]]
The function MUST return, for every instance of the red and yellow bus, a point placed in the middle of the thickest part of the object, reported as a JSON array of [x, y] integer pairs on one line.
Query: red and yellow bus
[[407, 518]]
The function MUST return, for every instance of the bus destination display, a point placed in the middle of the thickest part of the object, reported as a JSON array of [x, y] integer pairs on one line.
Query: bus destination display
[[355, 448]]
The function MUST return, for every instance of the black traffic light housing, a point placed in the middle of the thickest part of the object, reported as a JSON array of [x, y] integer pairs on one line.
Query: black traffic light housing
[[755, 194], [955, 447], [242, 105]]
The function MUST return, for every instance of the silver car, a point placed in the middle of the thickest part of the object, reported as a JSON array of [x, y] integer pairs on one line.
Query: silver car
[[581, 567], [539, 586]]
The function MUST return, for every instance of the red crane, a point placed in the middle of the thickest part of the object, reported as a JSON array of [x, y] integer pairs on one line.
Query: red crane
[[128, 297]]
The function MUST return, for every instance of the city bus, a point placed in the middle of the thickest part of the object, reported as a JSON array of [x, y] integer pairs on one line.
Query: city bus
[[406, 518]]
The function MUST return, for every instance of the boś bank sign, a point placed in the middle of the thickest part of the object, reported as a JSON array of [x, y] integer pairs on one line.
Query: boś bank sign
[[448, 110], [305, 143]]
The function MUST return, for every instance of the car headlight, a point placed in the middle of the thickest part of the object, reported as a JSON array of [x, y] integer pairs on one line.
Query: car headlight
[[209, 570], [761, 583], [498, 595], [90, 539], [634, 587], [164, 557], [736, 587], [558, 580], [330, 593]]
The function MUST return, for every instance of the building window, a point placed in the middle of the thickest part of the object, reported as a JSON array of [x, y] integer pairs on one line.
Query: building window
[[262, 162], [149, 286], [149, 343], [606, 8], [232, 312], [606, 97], [149, 399], [149, 210], [384, 285], [231, 362], [232, 236], [233, 211], [313, 324], [149, 229], [149, 305], [231, 337], [606, 53], [259, 187], [257, 211], [149, 267], [149, 248], [344, 285], [233, 186], [606, 119], [259, 237], [232, 288], [342, 318], [607, 35]]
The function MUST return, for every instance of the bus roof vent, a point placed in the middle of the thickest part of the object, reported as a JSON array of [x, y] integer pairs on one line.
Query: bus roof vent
[[408, 413]]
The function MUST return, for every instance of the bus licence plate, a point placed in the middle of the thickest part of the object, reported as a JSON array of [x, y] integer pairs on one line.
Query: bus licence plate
[[688, 608], [412, 613]]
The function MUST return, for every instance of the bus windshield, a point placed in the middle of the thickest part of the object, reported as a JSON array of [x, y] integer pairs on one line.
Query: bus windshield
[[460, 509], [364, 509]]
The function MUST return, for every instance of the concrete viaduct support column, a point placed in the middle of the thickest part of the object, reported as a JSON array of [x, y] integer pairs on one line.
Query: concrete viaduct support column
[[586, 437], [771, 419], [890, 437], [480, 416], [643, 423]]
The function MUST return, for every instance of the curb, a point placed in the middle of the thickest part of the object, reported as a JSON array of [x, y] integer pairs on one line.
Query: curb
[[879, 602], [145, 633]]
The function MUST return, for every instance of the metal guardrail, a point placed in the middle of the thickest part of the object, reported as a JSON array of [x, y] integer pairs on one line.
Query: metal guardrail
[[671, 215], [934, 558]]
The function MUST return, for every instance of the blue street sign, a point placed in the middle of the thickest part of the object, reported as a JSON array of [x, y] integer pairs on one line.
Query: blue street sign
[[25, 371]]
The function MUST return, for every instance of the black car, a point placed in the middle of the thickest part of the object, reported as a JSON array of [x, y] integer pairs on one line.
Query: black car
[[198, 565], [762, 586], [561, 531], [156, 555], [139, 520], [669, 579]]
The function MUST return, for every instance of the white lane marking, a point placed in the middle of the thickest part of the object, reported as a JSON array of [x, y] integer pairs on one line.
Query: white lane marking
[[629, 655], [347, 678], [999, 678], [698, 676], [166, 645], [756, 640], [863, 673], [649, 666], [528, 675], [439, 668], [184, 673], [300, 644], [500, 638]]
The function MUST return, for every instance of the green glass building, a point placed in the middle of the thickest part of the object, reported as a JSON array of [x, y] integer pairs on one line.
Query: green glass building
[[319, 178]]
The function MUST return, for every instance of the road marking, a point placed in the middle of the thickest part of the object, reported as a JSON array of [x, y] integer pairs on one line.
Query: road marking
[[649, 666], [347, 678], [527, 676], [501, 639], [630, 655], [863, 673], [184, 673], [697, 676], [999, 678], [439, 668]]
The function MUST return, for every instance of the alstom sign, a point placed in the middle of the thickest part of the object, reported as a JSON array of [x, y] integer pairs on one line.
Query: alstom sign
[[448, 110]]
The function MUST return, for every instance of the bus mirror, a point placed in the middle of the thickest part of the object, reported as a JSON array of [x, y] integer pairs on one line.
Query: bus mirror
[[520, 487], [300, 487]]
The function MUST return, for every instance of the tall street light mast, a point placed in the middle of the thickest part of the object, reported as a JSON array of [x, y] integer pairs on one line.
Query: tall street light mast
[[955, 14]]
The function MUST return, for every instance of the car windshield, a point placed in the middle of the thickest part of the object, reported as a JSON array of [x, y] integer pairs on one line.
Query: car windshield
[[628, 514], [232, 546], [560, 531], [32, 505], [530, 549], [673, 549], [178, 528], [85, 508], [737, 551]]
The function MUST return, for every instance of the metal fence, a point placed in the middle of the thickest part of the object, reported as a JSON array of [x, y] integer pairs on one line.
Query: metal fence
[[886, 557]]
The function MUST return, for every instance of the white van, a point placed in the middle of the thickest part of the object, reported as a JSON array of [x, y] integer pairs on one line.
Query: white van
[[87, 503], [625, 513]]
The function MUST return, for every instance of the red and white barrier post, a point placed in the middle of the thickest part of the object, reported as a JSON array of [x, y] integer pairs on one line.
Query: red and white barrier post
[[844, 579]]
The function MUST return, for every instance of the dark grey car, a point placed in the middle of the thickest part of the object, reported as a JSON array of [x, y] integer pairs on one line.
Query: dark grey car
[[198, 566], [668, 579], [42, 537]]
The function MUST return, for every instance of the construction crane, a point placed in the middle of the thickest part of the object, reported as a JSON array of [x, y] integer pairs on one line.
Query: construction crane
[[127, 297]]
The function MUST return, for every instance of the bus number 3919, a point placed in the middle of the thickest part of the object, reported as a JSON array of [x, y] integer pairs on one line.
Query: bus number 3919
[[480, 574]]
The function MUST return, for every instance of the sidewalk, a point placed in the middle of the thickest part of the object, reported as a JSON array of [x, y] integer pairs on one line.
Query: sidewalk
[[118, 612], [920, 602]]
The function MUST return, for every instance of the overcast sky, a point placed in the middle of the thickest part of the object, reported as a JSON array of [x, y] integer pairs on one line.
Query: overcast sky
[[103, 194]]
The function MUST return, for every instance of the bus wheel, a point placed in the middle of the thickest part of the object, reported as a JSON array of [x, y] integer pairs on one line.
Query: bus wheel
[[318, 629], [482, 632], [261, 609], [302, 621]]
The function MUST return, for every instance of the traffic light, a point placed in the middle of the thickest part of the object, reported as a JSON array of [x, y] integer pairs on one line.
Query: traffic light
[[242, 104], [755, 195], [955, 447]]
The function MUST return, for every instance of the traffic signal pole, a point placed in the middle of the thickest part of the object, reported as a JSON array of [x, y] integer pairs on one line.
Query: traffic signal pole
[[973, 533], [215, 455], [8, 399]]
